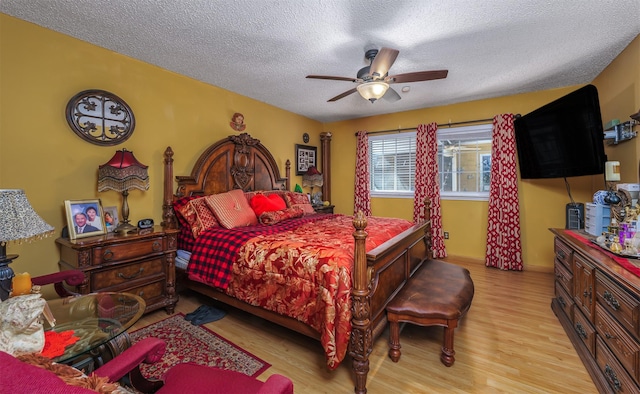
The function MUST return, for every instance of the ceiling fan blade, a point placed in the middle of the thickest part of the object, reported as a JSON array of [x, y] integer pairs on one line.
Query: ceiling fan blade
[[342, 95], [331, 78], [391, 95], [383, 62], [417, 76]]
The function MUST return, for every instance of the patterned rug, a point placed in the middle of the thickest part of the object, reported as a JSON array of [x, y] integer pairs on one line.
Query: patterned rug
[[196, 344]]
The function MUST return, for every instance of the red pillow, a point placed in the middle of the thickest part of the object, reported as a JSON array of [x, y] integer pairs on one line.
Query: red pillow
[[261, 203]]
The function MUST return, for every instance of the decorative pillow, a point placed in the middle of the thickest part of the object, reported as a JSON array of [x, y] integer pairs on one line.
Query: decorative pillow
[[198, 215], [306, 208], [273, 217], [300, 200], [293, 198], [262, 203], [232, 209], [178, 205]]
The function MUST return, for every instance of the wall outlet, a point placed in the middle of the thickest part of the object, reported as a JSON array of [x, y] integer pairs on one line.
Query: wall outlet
[[446, 235]]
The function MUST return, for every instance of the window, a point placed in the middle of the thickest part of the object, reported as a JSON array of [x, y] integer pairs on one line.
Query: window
[[464, 162]]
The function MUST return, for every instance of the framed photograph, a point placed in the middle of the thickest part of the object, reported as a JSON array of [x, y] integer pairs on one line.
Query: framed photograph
[[306, 156], [85, 218], [110, 218]]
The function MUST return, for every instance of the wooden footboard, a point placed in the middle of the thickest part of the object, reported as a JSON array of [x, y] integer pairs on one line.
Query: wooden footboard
[[242, 162], [377, 277]]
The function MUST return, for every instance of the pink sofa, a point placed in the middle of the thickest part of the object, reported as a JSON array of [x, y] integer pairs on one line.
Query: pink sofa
[[18, 377]]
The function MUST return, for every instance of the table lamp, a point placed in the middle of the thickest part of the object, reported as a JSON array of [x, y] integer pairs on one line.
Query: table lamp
[[123, 173], [18, 223], [313, 178]]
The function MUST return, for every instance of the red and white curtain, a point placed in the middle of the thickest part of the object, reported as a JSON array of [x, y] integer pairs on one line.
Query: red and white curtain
[[427, 185], [504, 249], [362, 198]]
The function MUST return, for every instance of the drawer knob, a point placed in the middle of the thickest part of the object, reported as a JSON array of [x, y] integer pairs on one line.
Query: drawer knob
[[611, 376], [561, 255], [123, 276], [581, 331], [562, 302], [156, 246], [609, 336], [141, 294], [611, 300], [107, 255], [588, 293]]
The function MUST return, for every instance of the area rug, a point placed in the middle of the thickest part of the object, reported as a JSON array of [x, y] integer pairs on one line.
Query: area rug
[[196, 344]]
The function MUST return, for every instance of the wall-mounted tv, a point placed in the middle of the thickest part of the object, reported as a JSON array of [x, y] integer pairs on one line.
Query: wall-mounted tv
[[564, 138]]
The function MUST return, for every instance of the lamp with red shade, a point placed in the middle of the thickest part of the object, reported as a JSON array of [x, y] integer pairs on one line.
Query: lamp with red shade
[[123, 173], [313, 178]]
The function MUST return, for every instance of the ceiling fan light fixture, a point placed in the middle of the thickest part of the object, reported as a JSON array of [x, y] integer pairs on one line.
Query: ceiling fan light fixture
[[372, 91]]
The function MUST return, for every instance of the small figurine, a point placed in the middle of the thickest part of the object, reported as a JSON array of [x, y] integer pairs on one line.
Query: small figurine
[[237, 122]]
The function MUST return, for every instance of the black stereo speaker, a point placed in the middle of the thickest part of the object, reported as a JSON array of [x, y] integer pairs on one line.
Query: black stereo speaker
[[575, 216]]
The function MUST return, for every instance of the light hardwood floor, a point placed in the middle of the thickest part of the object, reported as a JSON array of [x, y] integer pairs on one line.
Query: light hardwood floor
[[509, 342]]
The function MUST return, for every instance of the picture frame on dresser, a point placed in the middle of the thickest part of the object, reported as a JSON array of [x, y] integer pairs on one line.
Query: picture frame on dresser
[[85, 218], [111, 218], [306, 156]]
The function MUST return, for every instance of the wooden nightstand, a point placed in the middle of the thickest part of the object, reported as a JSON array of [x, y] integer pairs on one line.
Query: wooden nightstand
[[323, 208], [142, 264]]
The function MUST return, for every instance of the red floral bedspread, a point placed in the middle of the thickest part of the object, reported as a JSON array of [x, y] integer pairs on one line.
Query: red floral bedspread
[[305, 273]]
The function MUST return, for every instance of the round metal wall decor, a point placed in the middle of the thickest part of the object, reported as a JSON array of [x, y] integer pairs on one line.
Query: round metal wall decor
[[100, 117]]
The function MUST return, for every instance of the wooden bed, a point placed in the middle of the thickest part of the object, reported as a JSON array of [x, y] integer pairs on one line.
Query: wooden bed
[[242, 162]]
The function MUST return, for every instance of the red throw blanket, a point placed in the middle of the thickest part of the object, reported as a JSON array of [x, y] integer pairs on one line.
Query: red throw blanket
[[215, 250], [300, 268]]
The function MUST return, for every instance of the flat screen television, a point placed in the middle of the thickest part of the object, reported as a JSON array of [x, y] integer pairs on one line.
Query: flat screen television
[[564, 138]]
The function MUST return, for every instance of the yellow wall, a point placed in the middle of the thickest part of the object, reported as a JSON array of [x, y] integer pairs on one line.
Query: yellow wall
[[542, 202], [40, 70], [619, 92]]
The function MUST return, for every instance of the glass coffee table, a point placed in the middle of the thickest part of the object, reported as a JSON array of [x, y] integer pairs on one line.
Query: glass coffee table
[[100, 321]]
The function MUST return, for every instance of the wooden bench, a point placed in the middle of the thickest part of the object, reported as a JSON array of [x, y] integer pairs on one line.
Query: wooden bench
[[439, 294]]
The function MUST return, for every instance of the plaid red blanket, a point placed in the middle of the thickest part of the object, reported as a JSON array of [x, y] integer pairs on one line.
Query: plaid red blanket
[[215, 250]]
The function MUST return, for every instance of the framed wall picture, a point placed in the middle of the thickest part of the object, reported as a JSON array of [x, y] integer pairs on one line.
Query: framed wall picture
[[306, 156], [110, 218], [85, 218]]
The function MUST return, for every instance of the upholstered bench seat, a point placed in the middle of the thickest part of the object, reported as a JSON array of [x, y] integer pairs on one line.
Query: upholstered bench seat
[[439, 294]]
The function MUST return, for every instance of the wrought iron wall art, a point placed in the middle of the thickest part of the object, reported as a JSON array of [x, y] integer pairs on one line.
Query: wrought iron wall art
[[100, 117]]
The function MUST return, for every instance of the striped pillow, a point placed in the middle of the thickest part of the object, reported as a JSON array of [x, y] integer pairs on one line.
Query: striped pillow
[[232, 209]]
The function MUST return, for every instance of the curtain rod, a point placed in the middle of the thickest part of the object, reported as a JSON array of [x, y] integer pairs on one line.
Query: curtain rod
[[439, 125]]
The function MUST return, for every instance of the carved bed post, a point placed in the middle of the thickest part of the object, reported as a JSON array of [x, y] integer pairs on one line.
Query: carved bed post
[[168, 217], [428, 237], [361, 342], [325, 139], [287, 173]]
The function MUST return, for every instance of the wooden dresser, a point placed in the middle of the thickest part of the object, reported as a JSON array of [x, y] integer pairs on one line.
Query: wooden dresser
[[142, 264], [597, 301]]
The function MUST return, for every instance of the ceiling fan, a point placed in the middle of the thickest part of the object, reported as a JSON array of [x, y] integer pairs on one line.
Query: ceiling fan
[[374, 79]]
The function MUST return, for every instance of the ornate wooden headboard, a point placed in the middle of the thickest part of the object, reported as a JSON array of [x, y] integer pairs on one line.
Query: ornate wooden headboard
[[236, 162]]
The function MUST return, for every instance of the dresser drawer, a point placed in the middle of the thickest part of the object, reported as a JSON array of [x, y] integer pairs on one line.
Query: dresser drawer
[[584, 329], [563, 253], [565, 300], [564, 276], [148, 292], [618, 379], [126, 274], [620, 304], [625, 348], [127, 251]]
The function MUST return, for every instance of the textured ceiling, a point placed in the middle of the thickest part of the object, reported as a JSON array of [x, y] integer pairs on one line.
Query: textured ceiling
[[263, 49]]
